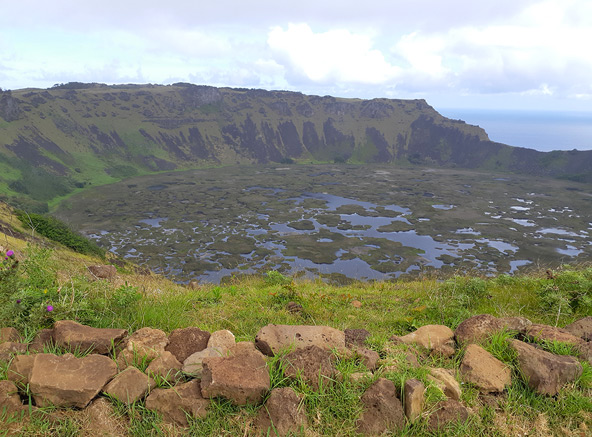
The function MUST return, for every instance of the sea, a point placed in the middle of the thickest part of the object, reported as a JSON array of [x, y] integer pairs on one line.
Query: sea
[[539, 130]]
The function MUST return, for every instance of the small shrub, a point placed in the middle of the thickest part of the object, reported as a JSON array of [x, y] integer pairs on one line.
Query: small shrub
[[58, 231], [276, 278]]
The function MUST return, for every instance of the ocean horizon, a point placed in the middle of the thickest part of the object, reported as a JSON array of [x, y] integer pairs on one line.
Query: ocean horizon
[[540, 130]]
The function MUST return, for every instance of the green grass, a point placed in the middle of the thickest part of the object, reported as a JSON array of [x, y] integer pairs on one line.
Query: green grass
[[58, 277]]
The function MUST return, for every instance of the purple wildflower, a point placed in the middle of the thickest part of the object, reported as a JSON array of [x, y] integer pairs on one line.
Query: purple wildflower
[[18, 301], [10, 253], [49, 308]]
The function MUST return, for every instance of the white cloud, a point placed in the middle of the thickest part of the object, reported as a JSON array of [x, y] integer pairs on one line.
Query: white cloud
[[334, 56]]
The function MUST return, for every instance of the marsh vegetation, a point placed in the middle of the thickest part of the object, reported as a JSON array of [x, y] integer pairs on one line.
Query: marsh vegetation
[[338, 221]]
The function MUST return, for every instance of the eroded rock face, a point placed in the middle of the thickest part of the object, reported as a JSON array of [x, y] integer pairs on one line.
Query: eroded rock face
[[67, 381], [282, 414], [273, 338], [241, 378], [485, 371], [313, 364], [382, 409], [130, 386], [581, 328], [73, 335], [187, 341], [175, 403], [545, 372]]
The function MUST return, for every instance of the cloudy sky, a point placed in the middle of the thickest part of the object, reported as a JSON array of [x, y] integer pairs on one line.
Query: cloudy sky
[[506, 54]]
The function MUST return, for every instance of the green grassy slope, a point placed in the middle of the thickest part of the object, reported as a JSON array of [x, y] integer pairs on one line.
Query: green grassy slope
[[57, 141]]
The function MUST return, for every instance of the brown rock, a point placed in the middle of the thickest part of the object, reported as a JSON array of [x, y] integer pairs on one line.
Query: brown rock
[[67, 381], [166, 366], [581, 328], [241, 378], [10, 334], [485, 371], [414, 395], [282, 414], [130, 386], [355, 337], [382, 409], [187, 341], [545, 372], [477, 328], [102, 419], [447, 412], [368, 357], [273, 338], [10, 348], [515, 324], [585, 351], [193, 365], [20, 368], [429, 336], [10, 401], [313, 364], [445, 382], [147, 343], [73, 335], [538, 332], [176, 403], [222, 340], [356, 304], [103, 271], [42, 342]]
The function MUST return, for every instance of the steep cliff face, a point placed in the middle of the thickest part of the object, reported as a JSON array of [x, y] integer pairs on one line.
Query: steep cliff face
[[93, 133]]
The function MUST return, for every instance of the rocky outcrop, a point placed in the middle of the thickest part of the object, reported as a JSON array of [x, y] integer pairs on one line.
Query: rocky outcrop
[[581, 328], [241, 373]]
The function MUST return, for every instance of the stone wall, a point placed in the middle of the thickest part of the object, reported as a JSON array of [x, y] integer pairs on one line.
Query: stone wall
[[197, 366]]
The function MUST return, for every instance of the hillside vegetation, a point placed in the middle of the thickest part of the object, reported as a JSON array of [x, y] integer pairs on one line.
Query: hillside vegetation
[[50, 282], [57, 141]]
